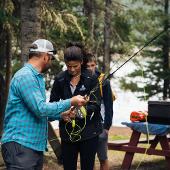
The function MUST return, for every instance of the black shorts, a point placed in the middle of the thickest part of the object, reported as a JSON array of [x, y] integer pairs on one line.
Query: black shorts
[[102, 146], [19, 157]]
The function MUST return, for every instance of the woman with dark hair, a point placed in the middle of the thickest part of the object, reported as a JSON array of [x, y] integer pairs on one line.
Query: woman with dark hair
[[81, 134]]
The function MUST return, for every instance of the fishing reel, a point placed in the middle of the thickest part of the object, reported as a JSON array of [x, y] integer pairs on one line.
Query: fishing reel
[[81, 112]]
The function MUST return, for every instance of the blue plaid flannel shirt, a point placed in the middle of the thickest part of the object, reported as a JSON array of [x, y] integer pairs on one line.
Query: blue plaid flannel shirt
[[27, 112]]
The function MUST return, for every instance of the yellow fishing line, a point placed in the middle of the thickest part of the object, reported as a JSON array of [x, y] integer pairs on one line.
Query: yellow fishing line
[[147, 128], [75, 136]]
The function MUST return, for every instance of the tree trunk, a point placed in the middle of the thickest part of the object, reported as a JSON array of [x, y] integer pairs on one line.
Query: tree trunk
[[8, 62], [6, 54], [107, 31], [165, 49], [30, 25], [4, 87], [2, 102], [89, 12]]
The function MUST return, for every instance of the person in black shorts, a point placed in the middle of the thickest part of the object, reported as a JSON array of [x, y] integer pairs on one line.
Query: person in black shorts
[[106, 111]]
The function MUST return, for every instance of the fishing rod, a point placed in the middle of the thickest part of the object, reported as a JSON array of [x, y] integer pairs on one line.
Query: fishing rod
[[145, 45], [111, 74]]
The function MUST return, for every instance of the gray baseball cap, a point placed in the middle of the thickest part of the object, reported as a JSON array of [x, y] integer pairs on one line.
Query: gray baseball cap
[[42, 45]]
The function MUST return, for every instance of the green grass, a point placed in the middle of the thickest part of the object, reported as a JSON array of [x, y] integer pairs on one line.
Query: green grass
[[118, 137], [123, 137]]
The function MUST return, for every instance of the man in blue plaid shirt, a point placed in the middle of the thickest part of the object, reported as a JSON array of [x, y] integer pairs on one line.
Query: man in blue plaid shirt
[[25, 124]]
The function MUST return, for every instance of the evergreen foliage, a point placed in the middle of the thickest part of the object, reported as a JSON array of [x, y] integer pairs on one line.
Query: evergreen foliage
[[148, 21]]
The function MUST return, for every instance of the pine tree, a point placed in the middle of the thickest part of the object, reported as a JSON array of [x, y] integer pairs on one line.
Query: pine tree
[[154, 18]]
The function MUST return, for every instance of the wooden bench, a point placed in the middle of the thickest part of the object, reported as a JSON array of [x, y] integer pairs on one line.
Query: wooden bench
[[130, 147]]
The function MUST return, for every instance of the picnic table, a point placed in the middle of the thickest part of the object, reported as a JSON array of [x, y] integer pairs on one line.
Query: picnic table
[[131, 147]]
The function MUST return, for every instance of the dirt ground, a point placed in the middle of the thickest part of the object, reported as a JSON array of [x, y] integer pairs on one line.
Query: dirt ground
[[115, 157], [120, 131]]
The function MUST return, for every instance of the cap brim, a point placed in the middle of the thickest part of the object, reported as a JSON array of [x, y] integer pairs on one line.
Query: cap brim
[[53, 51]]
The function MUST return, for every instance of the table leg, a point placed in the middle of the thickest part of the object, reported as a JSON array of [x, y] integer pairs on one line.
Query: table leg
[[165, 146], [154, 142], [134, 140]]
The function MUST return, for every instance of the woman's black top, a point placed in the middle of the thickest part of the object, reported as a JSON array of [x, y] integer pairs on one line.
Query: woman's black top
[[61, 90]]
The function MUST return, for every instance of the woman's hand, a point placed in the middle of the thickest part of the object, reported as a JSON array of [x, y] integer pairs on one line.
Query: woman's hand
[[68, 115]]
